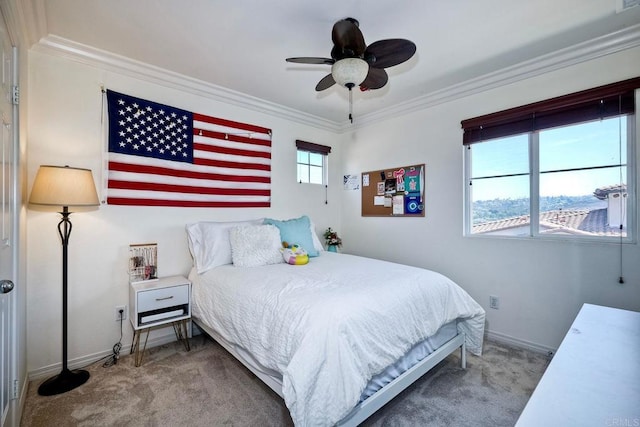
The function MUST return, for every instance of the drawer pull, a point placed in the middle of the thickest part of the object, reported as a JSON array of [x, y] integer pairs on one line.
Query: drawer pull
[[165, 298]]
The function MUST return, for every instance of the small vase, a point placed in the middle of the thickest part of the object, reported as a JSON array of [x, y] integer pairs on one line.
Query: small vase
[[332, 248]]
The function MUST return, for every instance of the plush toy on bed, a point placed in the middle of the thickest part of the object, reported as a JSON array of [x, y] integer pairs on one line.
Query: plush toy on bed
[[294, 254]]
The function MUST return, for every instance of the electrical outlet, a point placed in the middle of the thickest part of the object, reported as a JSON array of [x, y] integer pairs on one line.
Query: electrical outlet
[[124, 312], [494, 302]]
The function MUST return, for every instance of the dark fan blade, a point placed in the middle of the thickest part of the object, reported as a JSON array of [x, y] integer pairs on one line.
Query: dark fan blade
[[311, 60], [347, 39], [387, 53], [376, 78], [326, 82]]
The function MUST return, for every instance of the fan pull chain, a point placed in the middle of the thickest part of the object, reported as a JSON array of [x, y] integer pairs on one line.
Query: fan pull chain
[[350, 104]]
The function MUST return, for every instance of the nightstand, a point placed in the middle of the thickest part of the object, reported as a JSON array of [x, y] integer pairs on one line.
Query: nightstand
[[157, 303]]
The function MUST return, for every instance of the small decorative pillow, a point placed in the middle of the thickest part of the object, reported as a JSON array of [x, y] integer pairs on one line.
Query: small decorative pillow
[[294, 254], [296, 230], [253, 246]]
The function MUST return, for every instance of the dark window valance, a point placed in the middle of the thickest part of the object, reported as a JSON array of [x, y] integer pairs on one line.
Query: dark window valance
[[313, 148], [592, 104]]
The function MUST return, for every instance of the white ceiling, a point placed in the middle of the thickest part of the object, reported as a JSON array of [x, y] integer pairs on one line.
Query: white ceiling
[[242, 45]]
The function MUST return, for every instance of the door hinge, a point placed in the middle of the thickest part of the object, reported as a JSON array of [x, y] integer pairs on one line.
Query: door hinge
[[15, 95], [15, 390]]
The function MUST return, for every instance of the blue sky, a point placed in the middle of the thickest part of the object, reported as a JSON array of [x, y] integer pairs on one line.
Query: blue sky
[[586, 145]]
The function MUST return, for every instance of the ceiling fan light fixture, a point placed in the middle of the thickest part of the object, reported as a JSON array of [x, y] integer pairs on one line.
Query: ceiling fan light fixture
[[350, 72]]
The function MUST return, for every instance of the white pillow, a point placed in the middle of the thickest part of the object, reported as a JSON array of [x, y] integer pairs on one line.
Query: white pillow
[[314, 236], [253, 246], [209, 242]]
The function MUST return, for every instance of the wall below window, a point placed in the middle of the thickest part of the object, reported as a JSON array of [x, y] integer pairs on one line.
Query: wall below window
[[64, 127], [541, 285]]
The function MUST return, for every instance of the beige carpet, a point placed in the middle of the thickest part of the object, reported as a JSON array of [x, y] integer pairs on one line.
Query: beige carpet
[[208, 387]]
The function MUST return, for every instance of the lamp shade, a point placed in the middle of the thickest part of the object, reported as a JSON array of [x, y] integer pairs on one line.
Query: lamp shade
[[350, 72], [64, 186]]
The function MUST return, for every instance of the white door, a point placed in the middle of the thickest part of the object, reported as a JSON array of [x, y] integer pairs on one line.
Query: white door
[[7, 297], [8, 211]]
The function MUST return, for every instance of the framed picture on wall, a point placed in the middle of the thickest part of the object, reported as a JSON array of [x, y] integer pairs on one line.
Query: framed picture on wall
[[143, 262]]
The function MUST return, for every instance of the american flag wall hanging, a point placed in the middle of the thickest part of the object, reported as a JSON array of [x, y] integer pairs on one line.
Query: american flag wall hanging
[[164, 156]]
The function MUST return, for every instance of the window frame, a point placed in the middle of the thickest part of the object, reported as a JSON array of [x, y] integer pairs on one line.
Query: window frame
[[309, 165], [633, 138], [312, 148]]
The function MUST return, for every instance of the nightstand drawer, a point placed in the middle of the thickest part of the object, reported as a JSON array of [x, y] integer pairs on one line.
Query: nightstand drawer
[[156, 299]]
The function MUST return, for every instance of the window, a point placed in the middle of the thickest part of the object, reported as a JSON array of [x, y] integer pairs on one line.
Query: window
[[558, 168], [310, 167], [312, 162]]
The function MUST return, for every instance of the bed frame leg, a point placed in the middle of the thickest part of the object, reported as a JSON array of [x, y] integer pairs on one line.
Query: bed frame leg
[[463, 355]]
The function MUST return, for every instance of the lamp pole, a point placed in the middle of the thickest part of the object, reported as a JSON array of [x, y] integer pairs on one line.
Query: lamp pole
[[66, 380], [64, 232]]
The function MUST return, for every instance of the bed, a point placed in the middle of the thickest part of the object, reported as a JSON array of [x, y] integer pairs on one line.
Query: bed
[[338, 337]]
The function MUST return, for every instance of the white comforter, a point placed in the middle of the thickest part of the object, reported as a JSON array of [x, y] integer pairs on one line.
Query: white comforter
[[332, 324]]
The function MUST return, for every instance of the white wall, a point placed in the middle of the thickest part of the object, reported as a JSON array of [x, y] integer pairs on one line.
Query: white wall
[[541, 285], [65, 129]]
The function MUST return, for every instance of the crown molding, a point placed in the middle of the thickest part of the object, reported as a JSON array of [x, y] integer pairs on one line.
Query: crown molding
[[618, 41], [87, 55], [25, 20]]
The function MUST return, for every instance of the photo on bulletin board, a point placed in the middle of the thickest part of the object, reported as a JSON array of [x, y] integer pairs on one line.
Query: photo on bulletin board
[[396, 192]]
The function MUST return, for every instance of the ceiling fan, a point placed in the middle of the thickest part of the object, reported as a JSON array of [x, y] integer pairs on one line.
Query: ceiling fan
[[353, 63]]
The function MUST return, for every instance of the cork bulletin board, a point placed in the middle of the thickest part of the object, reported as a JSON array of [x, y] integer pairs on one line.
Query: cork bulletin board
[[394, 192]]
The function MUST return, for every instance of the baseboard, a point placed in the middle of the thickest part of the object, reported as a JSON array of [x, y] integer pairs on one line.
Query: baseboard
[[83, 361], [517, 342]]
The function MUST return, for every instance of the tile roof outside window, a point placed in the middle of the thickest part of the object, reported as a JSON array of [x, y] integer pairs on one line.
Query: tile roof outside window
[[583, 222]]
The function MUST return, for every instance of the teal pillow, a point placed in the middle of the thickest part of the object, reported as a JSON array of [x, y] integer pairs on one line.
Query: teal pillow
[[296, 231]]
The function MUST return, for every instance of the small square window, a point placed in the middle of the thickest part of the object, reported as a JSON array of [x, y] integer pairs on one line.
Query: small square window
[[311, 167]]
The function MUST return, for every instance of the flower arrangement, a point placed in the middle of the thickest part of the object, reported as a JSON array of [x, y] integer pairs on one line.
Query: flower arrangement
[[331, 238]]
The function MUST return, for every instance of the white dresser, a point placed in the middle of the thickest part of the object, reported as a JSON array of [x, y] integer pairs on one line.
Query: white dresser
[[594, 378]]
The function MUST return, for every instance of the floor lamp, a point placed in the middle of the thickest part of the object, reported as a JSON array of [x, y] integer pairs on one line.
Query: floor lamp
[[65, 187]]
